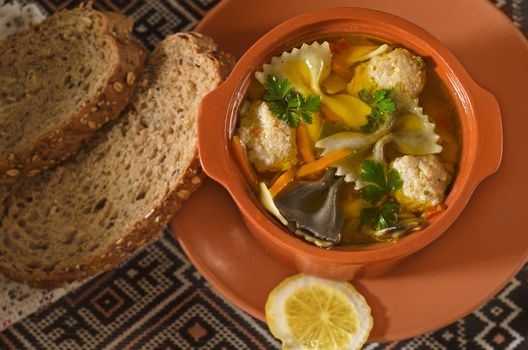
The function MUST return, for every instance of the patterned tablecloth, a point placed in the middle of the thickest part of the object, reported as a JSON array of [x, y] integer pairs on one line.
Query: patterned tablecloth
[[157, 299]]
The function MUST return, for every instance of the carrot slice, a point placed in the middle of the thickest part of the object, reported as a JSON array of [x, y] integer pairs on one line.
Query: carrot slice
[[333, 48], [342, 69], [304, 144], [239, 149], [283, 181], [273, 179], [323, 162], [432, 211], [327, 114], [340, 46]]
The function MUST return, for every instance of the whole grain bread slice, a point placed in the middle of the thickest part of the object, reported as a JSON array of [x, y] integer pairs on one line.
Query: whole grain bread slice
[[59, 82], [91, 212]]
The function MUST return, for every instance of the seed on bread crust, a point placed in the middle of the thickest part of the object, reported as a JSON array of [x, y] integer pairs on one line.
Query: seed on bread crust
[[130, 78], [118, 86], [183, 194], [13, 172]]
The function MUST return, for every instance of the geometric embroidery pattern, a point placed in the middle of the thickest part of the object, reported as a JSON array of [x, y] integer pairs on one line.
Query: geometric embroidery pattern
[[157, 300]]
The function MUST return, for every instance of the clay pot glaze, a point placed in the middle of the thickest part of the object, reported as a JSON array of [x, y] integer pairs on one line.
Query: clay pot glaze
[[478, 110]]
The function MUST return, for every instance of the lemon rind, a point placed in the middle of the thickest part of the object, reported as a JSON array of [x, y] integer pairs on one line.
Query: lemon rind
[[279, 327]]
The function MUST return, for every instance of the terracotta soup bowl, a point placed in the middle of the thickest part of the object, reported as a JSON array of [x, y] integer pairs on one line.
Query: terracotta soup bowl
[[481, 134]]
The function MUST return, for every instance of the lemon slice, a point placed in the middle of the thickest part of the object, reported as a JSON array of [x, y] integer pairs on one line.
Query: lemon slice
[[307, 312]]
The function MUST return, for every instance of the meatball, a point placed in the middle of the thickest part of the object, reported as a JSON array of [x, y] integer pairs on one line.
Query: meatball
[[398, 69], [270, 142], [425, 180]]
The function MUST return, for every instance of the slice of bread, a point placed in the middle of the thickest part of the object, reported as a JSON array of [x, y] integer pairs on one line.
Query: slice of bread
[[59, 82], [91, 212]]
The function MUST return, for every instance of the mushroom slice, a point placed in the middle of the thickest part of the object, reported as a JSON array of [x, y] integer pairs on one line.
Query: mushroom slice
[[402, 228], [313, 209]]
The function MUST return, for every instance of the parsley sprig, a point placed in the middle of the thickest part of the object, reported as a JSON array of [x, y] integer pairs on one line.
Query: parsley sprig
[[383, 217], [289, 105], [381, 105], [379, 184]]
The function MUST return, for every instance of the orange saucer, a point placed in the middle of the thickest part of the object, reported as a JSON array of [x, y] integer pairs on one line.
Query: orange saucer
[[430, 289], [481, 251]]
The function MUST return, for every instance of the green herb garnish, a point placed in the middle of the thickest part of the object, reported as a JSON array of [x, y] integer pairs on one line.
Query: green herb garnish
[[378, 184], [289, 105], [381, 105], [382, 217]]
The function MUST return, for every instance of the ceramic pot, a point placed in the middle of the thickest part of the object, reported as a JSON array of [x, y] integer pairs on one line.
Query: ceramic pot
[[480, 125]]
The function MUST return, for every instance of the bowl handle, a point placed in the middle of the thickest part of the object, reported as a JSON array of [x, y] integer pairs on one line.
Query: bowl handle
[[213, 133], [489, 154]]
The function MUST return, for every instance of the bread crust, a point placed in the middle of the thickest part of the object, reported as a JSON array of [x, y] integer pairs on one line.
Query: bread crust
[[53, 147], [144, 231], [148, 228]]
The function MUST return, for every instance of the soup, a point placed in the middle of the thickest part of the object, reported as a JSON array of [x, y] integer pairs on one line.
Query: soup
[[348, 141]]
